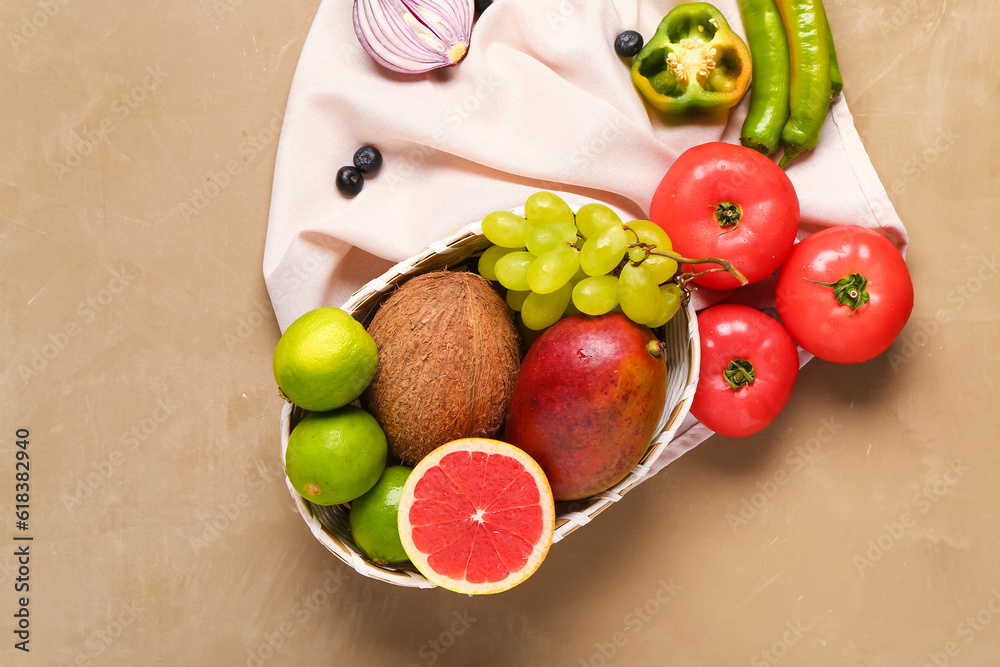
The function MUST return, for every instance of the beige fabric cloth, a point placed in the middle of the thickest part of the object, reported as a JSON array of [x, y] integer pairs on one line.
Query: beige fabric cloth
[[541, 102]]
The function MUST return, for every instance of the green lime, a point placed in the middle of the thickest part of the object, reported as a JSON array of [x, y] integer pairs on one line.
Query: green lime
[[334, 457], [373, 518], [324, 360]]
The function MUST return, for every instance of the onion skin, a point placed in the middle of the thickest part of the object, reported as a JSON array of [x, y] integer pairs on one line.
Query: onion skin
[[414, 36]]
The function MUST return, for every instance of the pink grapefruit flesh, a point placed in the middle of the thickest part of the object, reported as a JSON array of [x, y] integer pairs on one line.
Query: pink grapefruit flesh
[[476, 516]]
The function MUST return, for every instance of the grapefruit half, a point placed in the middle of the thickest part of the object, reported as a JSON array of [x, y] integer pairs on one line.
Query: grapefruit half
[[476, 516]]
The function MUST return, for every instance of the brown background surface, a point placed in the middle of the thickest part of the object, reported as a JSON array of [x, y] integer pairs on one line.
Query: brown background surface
[[861, 528]]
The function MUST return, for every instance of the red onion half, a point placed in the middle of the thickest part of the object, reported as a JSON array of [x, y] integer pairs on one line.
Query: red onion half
[[413, 36]]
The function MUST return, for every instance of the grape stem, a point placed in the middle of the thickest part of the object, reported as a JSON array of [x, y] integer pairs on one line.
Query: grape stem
[[725, 265], [682, 280]]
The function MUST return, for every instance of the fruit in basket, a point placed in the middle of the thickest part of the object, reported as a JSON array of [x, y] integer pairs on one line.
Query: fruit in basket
[[603, 252], [506, 229], [476, 516], [334, 457], [542, 208], [324, 360], [596, 295], [551, 236], [544, 256], [638, 292], [372, 518], [448, 357], [553, 269], [540, 311], [588, 400]]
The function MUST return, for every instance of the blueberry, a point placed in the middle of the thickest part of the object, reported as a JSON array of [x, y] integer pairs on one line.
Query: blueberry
[[349, 181], [628, 44], [367, 159]]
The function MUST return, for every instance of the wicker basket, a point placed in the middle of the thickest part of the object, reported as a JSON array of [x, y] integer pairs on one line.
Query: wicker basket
[[330, 524]]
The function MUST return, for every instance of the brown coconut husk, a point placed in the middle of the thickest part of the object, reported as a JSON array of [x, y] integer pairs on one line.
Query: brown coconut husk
[[449, 353]]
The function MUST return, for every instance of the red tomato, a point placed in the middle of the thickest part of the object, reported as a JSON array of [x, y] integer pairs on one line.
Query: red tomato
[[844, 293], [749, 364], [728, 202]]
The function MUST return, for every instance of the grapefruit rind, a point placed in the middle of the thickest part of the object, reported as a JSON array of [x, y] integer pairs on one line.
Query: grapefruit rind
[[460, 584]]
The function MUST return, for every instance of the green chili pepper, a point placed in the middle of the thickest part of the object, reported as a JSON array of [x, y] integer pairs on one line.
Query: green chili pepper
[[809, 94], [771, 73], [694, 61], [836, 80]]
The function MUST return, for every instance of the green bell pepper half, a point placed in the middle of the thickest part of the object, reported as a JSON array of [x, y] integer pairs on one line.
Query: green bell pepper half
[[693, 61]]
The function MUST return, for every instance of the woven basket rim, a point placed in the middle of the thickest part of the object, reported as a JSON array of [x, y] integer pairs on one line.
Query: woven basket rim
[[468, 240]]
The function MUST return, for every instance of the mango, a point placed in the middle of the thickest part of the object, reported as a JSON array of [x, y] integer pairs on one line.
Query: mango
[[587, 401]]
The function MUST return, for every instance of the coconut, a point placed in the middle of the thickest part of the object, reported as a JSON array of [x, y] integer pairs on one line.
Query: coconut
[[448, 358]]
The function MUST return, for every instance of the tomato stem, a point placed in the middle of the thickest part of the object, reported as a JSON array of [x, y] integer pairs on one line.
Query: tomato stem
[[728, 215], [739, 373], [851, 291]]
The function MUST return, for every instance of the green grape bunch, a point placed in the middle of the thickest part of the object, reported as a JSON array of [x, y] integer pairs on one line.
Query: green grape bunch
[[554, 263]]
